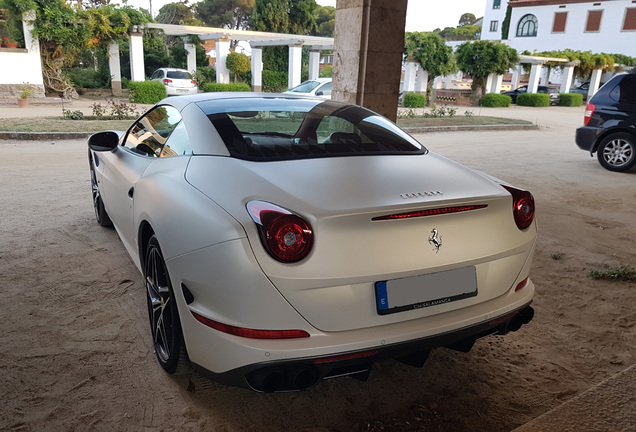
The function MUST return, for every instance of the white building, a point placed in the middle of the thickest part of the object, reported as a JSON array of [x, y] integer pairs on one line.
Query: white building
[[607, 26]]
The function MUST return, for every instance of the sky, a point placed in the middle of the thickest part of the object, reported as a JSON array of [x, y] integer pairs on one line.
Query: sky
[[422, 15]]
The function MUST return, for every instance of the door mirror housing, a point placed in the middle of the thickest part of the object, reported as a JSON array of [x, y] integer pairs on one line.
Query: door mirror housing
[[103, 141]]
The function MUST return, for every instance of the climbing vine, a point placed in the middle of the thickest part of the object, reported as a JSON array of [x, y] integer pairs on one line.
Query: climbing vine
[[65, 31]]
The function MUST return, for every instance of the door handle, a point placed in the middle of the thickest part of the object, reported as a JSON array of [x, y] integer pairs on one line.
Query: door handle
[[131, 192]]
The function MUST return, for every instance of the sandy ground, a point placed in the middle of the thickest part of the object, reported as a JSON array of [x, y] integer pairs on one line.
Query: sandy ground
[[75, 351]]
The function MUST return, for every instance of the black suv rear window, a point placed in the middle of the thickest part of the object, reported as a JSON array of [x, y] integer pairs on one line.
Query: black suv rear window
[[275, 128]]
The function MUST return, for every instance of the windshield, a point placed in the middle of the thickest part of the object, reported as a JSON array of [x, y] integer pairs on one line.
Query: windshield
[[306, 87], [288, 128], [179, 75]]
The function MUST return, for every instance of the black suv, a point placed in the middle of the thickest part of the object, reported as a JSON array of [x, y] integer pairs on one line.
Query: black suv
[[610, 124]]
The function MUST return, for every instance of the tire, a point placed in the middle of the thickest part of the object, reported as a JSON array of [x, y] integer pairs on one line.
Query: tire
[[617, 152], [100, 212], [165, 326]]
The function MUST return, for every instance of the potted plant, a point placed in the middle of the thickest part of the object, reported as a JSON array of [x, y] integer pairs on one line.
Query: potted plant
[[10, 42], [26, 91]]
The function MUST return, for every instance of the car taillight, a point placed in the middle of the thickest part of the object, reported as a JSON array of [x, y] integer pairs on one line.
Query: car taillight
[[286, 236], [167, 81], [193, 82], [589, 110], [522, 206]]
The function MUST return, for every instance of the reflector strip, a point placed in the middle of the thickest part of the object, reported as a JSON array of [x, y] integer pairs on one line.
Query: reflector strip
[[430, 212], [345, 357], [521, 284], [250, 333]]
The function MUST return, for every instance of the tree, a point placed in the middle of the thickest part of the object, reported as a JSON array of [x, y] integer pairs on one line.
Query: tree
[[175, 13], [238, 63], [232, 14], [467, 18], [325, 21], [433, 55], [482, 58]]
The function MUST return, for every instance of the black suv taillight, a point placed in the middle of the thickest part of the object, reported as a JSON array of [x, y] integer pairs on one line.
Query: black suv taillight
[[589, 110], [522, 206], [286, 236]]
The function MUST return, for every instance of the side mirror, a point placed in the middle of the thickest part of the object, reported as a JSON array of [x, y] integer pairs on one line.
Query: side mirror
[[319, 93], [103, 141]]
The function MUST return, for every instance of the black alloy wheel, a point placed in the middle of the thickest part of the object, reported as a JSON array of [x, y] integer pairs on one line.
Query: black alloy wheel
[[617, 152], [100, 212], [167, 336]]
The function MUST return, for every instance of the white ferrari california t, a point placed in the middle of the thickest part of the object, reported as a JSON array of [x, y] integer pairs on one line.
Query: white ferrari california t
[[287, 239]]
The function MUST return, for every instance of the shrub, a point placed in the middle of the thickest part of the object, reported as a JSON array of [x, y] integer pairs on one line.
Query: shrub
[[204, 75], [146, 92], [274, 82], [495, 100], [232, 87], [327, 71], [414, 100], [88, 78], [533, 99], [570, 99]]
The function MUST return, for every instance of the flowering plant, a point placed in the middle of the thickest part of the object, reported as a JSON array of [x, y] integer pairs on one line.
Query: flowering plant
[[9, 40]]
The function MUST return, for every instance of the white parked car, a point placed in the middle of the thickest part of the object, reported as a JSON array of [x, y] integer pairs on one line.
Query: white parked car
[[281, 250], [177, 81], [320, 87]]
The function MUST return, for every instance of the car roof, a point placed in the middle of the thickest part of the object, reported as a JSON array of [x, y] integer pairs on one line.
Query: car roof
[[180, 102]]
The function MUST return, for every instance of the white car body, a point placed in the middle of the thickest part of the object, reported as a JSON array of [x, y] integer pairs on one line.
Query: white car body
[[200, 204], [319, 87], [177, 81]]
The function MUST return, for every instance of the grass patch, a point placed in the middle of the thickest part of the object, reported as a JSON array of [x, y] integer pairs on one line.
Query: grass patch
[[58, 124], [458, 121], [620, 273]]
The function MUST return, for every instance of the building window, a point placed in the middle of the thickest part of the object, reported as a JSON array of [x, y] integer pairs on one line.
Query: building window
[[494, 25], [527, 26], [630, 19], [593, 21], [558, 26], [496, 4]]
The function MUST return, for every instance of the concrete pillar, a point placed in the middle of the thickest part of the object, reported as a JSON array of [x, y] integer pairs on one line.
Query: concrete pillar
[[437, 83], [566, 78], [257, 69], [191, 50], [496, 84], [368, 49], [535, 73], [222, 50], [314, 64], [137, 68], [115, 68], [448, 81], [410, 72], [595, 82], [421, 80], [294, 69], [489, 82], [516, 77]]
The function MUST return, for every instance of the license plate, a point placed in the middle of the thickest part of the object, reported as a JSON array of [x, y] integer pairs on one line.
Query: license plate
[[182, 91], [417, 292]]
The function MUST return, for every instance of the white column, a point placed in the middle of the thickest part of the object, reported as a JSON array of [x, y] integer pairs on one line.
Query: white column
[[115, 68], [222, 51], [257, 69], [535, 73], [595, 82], [489, 82], [295, 65], [314, 64], [410, 71], [496, 84], [137, 72], [191, 49], [448, 81], [421, 80], [516, 77], [437, 83], [566, 79]]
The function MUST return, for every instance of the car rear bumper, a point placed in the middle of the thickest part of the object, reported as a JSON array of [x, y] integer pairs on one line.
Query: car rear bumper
[[303, 373], [587, 137], [176, 91]]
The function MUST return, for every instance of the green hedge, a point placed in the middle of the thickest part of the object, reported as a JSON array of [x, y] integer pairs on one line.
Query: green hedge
[[495, 100], [533, 99], [231, 87], [570, 99], [146, 92], [414, 100], [274, 82]]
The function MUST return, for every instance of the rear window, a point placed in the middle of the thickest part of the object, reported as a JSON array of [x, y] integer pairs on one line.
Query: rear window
[[179, 75], [306, 87], [287, 128]]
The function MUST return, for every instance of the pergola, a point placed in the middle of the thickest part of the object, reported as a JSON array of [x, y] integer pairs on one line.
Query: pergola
[[222, 37]]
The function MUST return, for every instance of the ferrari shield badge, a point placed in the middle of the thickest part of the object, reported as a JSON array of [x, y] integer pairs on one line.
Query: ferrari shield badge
[[435, 240]]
